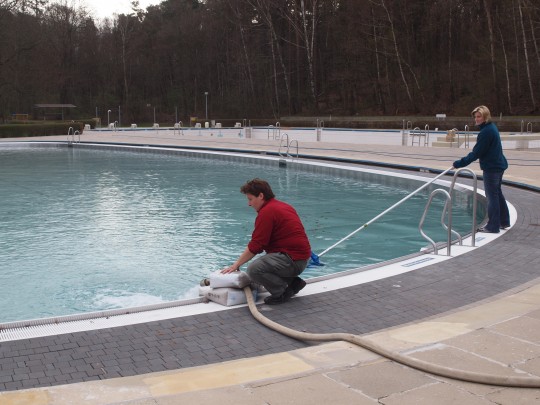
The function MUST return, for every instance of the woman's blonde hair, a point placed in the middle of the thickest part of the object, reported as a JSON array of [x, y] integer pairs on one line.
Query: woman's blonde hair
[[482, 109]]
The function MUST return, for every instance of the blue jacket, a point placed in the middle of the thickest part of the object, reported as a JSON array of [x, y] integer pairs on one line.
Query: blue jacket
[[488, 149]]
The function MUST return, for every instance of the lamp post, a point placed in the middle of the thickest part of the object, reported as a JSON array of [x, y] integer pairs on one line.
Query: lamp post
[[206, 104], [108, 118], [154, 115]]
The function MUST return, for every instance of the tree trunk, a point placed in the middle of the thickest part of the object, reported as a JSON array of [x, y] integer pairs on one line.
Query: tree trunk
[[378, 89], [309, 40], [274, 67], [487, 9], [125, 29], [506, 70], [397, 53], [535, 42], [263, 7], [526, 56]]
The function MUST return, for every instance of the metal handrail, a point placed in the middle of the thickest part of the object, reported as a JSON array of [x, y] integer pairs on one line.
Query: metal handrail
[[284, 137], [178, 126], [447, 211], [73, 132], [275, 130], [293, 141], [475, 188], [467, 135], [70, 132], [318, 131], [529, 127], [415, 132], [270, 127], [448, 228], [407, 125], [288, 144]]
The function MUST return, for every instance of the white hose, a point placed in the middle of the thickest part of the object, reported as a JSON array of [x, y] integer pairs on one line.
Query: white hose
[[469, 376]]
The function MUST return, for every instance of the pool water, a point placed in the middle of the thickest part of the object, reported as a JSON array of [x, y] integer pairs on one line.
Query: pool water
[[85, 230]]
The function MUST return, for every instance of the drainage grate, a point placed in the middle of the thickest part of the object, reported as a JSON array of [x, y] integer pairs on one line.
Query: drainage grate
[[99, 320]]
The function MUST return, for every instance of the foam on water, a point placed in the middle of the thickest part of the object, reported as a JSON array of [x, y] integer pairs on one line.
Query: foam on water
[[114, 299]]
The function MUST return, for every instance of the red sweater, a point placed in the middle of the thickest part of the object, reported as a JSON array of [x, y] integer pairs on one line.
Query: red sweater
[[278, 229]]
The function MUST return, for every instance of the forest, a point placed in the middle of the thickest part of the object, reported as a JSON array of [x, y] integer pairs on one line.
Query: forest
[[271, 58]]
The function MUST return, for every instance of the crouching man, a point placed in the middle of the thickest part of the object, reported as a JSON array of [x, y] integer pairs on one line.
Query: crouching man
[[278, 232]]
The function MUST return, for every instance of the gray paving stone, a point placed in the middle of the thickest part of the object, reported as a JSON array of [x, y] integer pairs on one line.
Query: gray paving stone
[[508, 262]]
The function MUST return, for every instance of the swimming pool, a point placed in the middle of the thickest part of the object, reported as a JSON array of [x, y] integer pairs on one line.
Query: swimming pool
[[86, 229]]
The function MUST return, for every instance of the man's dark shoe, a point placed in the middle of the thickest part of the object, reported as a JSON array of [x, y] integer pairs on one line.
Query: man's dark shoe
[[279, 299], [296, 285]]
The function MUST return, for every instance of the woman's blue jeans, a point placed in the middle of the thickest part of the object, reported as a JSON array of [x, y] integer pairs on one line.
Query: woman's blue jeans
[[498, 215]]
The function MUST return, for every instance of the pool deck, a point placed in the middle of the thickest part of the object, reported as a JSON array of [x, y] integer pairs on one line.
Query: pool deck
[[479, 311]]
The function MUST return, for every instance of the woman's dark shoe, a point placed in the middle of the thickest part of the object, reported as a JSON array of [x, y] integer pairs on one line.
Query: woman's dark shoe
[[485, 230]]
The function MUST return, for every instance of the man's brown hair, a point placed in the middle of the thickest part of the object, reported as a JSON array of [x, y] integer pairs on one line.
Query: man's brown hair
[[256, 187]]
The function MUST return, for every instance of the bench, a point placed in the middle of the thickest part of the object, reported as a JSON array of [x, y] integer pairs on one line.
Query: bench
[[440, 116]]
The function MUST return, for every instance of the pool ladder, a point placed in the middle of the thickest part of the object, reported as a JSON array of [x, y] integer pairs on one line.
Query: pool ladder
[[418, 134], [178, 128], [286, 144], [72, 133], [274, 132], [447, 211]]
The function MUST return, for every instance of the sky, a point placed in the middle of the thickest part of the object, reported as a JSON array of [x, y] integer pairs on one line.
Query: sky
[[106, 8]]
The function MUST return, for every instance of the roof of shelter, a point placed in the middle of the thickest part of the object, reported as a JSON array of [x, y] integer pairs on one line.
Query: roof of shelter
[[54, 106]]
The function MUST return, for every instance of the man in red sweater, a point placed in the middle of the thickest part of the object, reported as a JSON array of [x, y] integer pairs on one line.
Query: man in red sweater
[[280, 233]]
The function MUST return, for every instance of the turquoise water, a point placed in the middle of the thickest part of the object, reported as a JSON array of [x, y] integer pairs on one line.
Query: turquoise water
[[86, 230]]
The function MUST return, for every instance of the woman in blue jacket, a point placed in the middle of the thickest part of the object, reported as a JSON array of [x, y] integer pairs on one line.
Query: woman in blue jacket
[[488, 149]]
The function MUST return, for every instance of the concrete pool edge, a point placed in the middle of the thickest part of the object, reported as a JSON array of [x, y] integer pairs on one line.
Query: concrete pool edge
[[128, 316]]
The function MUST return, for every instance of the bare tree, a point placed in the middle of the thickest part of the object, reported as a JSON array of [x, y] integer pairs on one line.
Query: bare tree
[[303, 21], [379, 92], [487, 10], [533, 35], [125, 26], [526, 53], [263, 7], [35, 6], [396, 49], [506, 69], [235, 8]]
